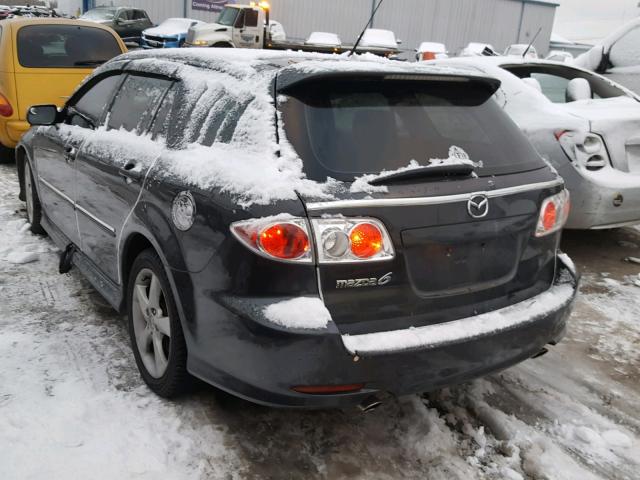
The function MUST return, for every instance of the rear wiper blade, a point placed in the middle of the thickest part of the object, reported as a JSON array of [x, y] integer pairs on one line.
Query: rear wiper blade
[[89, 62], [457, 170]]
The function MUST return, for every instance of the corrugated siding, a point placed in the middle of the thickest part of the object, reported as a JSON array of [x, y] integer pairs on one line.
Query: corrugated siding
[[452, 22], [158, 10], [536, 16]]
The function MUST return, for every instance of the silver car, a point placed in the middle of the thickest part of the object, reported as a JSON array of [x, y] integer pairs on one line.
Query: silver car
[[585, 125]]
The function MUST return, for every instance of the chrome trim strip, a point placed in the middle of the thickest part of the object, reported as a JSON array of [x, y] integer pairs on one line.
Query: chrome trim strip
[[104, 225], [55, 190], [413, 201]]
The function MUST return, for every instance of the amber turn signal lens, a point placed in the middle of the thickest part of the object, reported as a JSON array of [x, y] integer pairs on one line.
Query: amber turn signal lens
[[284, 240], [366, 240], [549, 216]]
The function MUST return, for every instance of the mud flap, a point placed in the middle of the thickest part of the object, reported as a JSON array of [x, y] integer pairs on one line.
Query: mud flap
[[66, 258]]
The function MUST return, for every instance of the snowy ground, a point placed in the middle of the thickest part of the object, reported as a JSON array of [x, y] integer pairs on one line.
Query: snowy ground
[[72, 404]]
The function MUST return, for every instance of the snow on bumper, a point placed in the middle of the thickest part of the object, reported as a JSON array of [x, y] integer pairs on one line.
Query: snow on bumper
[[558, 297]]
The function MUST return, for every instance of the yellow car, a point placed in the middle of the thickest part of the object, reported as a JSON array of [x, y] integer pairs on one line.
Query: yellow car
[[42, 61]]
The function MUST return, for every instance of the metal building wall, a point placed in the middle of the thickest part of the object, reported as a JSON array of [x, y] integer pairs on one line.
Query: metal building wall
[[452, 22], [158, 10], [536, 16]]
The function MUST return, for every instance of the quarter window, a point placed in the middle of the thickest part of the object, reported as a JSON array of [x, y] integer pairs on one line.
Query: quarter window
[[65, 46], [136, 103]]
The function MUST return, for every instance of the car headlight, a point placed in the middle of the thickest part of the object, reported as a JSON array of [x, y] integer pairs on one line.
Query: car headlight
[[584, 150], [200, 43]]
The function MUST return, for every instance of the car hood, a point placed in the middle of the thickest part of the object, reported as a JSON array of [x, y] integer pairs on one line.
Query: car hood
[[617, 120], [161, 31]]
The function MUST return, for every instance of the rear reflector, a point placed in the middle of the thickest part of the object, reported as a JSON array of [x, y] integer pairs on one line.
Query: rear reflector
[[328, 389], [6, 110]]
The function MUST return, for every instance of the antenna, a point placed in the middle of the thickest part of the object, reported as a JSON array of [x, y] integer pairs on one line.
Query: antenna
[[531, 44], [373, 14]]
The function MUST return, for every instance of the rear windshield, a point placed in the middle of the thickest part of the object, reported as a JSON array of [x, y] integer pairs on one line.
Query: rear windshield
[[344, 129], [54, 46]]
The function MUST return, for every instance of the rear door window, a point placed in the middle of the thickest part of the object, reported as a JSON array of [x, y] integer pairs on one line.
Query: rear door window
[[344, 129], [136, 103], [65, 46]]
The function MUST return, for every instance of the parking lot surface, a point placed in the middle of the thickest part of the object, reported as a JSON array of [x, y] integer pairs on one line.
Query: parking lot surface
[[72, 404]]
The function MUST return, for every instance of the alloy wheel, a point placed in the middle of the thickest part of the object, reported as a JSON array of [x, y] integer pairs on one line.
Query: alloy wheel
[[151, 323]]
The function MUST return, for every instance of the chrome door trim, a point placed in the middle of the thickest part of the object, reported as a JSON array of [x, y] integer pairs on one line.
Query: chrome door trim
[[77, 207], [440, 200], [56, 191], [104, 225]]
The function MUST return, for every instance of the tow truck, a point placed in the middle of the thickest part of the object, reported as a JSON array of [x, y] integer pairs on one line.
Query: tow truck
[[250, 26]]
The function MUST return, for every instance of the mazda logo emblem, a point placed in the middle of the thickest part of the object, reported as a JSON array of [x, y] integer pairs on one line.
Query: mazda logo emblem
[[478, 206]]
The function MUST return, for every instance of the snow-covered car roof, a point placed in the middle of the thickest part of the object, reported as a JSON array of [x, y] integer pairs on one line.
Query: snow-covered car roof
[[253, 165], [432, 47]]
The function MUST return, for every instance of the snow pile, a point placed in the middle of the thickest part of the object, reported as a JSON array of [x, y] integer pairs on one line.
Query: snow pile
[[118, 146], [306, 313], [324, 38], [457, 156], [376, 37]]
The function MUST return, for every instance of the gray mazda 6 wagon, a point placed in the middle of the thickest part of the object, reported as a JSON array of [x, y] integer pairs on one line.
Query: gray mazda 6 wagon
[[303, 230]]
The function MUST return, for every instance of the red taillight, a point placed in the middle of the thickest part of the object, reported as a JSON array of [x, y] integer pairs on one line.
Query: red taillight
[[338, 239], [428, 56], [366, 240], [280, 238], [328, 389], [553, 213], [284, 240], [549, 216], [6, 110]]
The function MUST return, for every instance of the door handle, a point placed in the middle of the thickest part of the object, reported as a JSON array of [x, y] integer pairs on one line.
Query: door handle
[[70, 153], [129, 173]]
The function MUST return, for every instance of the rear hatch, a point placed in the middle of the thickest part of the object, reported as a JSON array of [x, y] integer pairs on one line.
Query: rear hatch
[[453, 256]]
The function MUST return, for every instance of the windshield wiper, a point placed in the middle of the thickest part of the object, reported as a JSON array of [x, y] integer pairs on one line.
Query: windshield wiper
[[458, 170], [88, 62]]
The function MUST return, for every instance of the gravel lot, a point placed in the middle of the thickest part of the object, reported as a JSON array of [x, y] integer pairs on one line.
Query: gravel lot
[[72, 404]]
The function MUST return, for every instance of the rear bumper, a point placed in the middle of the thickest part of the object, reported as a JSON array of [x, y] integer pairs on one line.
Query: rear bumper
[[593, 195], [242, 353]]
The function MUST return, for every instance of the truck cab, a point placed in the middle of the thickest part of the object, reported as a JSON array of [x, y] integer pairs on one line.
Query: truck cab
[[238, 26]]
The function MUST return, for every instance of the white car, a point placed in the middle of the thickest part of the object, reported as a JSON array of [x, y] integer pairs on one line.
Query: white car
[[475, 49], [431, 51], [379, 38], [519, 49], [585, 125], [323, 39], [560, 56]]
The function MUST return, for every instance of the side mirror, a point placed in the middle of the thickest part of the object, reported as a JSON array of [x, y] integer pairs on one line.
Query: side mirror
[[42, 115], [398, 41], [578, 89]]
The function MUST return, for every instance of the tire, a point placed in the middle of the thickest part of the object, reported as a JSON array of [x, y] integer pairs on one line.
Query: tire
[[156, 335], [221, 45], [34, 209], [7, 155]]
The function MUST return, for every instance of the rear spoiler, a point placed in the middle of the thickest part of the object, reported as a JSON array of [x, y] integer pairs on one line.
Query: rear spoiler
[[290, 78]]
